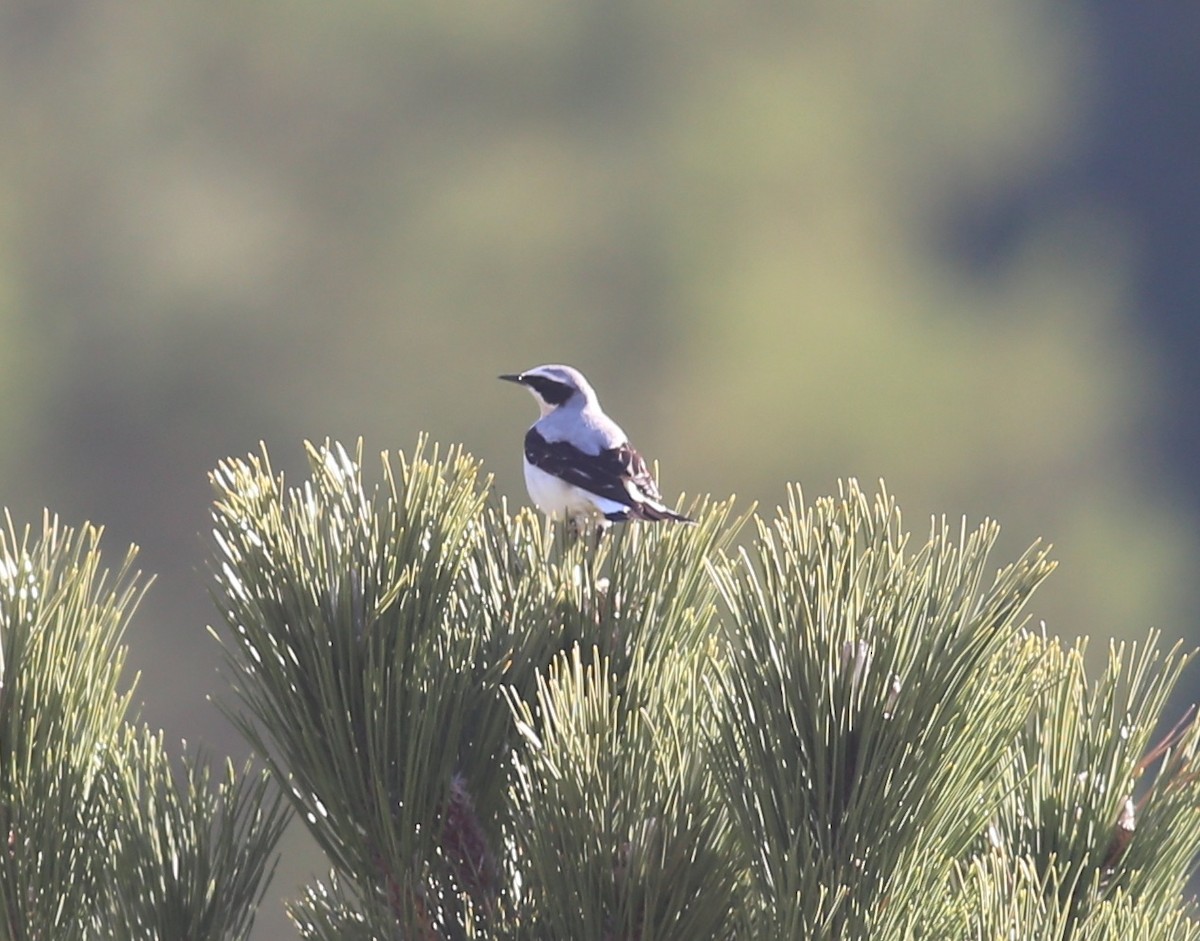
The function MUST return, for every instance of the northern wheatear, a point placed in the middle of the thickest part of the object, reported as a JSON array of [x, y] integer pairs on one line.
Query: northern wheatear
[[578, 461]]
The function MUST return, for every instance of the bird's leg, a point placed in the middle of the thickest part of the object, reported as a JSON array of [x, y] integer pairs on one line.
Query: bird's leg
[[585, 526], [575, 526]]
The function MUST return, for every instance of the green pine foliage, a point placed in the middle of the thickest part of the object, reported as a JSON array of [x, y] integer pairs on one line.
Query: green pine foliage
[[1078, 811], [804, 726], [813, 727], [192, 849], [61, 711], [869, 698], [99, 839]]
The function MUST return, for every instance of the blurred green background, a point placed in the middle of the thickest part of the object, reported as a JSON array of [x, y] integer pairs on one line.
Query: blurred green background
[[951, 245]]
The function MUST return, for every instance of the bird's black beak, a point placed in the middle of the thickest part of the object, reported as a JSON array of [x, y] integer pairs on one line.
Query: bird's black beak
[[510, 377]]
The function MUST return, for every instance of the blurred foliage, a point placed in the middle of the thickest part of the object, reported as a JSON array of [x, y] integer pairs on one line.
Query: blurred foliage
[[226, 223]]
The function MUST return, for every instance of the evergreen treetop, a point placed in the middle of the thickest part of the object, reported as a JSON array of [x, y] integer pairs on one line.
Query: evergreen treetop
[[804, 726]]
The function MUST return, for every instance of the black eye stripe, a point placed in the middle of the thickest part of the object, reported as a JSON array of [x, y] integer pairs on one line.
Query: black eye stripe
[[554, 393]]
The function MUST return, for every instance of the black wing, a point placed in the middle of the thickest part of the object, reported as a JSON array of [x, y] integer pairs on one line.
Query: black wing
[[606, 474]]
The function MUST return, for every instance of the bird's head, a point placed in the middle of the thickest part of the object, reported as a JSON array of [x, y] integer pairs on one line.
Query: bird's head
[[554, 386]]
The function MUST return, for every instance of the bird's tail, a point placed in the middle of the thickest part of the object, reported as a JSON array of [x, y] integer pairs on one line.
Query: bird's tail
[[653, 511]]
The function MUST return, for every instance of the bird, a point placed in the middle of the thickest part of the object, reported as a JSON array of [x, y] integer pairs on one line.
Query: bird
[[579, 464]]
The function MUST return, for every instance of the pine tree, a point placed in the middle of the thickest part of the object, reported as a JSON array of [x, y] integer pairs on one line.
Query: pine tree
[[803, 725], [104, 835]]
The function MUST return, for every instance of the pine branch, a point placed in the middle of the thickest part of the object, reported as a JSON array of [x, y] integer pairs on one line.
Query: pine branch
[[618, 825], [372, 630], [365, 679], [871, 694], [98, 840], [1073, 809], [61, 711], [498, 731], [193, 855]]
